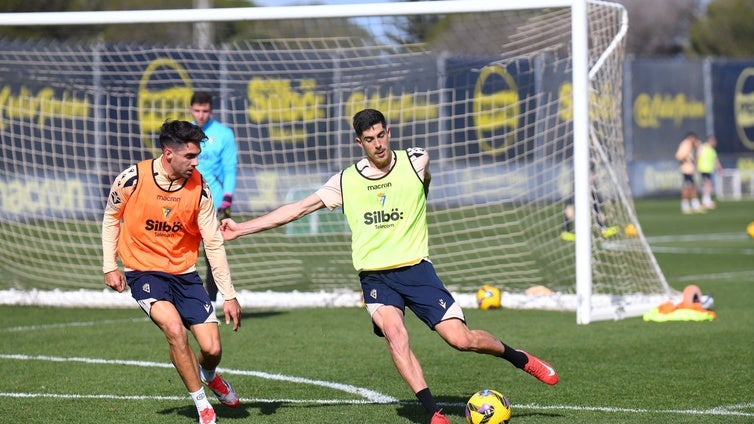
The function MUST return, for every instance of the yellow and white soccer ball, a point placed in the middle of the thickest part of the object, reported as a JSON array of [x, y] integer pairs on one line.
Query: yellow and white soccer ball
[[488, 407], [488, 297], [750, 229]]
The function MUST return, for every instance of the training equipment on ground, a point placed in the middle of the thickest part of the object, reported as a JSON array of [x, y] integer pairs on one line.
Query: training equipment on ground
[[488, 297], [488, 407], [708, 302], [515, 101]]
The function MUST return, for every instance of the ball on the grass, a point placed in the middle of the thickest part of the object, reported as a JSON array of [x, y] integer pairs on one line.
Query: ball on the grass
[[488, 297], [488, 407], [630, 231], [750, 229]]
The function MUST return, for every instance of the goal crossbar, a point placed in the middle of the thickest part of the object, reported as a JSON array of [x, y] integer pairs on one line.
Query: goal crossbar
[[271, 13]]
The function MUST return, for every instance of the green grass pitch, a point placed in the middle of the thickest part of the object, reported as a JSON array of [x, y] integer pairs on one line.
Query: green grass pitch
[[325, 366]]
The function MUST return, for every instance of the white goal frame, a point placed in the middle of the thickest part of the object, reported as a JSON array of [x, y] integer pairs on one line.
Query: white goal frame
[[585, 311]]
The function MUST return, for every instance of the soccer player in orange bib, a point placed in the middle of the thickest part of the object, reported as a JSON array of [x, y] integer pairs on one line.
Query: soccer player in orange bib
[[158, 213]]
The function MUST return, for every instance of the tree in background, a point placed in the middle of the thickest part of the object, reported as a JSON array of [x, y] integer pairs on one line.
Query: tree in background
[[659, 28], [413, 29], [726, 29], [656, 28]]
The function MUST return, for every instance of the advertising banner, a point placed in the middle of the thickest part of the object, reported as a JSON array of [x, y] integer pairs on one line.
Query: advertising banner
[[88, 114], [733, 106], [667, 101]]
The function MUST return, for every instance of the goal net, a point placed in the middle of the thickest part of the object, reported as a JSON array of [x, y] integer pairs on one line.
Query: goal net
[[485, 87]]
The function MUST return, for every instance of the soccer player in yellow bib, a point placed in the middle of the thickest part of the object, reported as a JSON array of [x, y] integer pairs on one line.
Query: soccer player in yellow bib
[[384, 199], [707, 164]]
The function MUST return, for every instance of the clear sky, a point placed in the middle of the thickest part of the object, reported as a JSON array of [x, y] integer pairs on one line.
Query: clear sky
[[379, 33]]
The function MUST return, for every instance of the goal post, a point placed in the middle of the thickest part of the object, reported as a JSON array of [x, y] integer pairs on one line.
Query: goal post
[[518, 103], [581, 186]]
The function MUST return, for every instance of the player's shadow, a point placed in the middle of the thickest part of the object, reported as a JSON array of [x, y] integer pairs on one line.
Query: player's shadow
[[452, 407], [189, 411], [267, 409], [414, 412], [247, 315]]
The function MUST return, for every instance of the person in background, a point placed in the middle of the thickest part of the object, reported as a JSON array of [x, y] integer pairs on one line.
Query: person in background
[[158, 212], [707, 164], [384, 199], [218, 164], [686, 156]]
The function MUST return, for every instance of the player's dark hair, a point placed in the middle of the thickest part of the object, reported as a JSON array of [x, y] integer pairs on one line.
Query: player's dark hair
[[201, 97], [366, 119], [176, 134]]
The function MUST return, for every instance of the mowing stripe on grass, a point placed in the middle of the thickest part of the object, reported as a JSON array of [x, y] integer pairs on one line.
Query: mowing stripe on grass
[[732, 410], [701, 240], [701, 250], [181, 398], [70, 324], [706, 237], [719, 276], [678, 244], [370, 395]]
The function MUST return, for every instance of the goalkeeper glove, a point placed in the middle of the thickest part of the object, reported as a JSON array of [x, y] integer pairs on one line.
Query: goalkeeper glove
[[223, 212]]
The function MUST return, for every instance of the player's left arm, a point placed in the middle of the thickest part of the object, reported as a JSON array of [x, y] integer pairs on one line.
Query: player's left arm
[[276, 218]]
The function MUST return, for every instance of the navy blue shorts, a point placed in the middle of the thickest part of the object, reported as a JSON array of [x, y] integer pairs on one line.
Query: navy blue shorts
[[186, 292], [417, 287]]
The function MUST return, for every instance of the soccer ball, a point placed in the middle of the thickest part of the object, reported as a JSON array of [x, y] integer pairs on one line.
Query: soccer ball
[[488, 297], [631, 231], [750, 229], [488, 407]]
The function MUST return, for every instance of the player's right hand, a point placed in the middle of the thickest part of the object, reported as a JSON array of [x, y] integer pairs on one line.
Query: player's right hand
[[229, 228], [232, 311], [116, 280]]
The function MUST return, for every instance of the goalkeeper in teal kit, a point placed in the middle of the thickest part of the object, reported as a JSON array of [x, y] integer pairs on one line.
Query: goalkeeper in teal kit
[[218, 164], [384, 198]]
